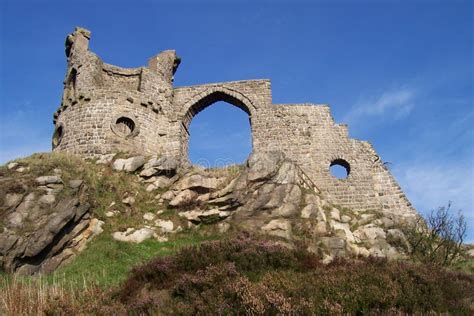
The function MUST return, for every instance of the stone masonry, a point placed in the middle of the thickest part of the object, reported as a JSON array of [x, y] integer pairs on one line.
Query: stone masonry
[[106, 108]]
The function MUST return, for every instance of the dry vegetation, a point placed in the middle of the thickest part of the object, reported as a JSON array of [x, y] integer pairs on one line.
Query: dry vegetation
[[247, 275], [25, 296]]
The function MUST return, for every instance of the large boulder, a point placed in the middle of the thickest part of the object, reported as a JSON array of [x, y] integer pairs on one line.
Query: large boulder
[[197, 183], [129, 165], [205, 216], [279, 228], [262, 166], [183, 198], [369, 233], [160, 166], [166, 226], [45, 180], [134, 235]]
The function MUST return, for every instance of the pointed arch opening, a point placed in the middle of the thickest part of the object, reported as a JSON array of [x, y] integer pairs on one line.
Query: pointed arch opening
[[222, 134]]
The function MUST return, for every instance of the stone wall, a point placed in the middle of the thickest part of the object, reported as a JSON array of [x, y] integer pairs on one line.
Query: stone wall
[[107, 108]]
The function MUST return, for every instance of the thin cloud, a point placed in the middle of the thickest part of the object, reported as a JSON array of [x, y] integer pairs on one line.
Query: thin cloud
[[395, 104], [430, 185]]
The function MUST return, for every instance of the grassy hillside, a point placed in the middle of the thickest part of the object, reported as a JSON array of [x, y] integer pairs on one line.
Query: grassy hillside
[[241, 275], [198, 271]]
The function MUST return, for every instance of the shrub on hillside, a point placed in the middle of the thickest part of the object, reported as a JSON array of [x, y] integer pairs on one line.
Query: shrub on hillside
[[245, 252], [245, 275], [249, 276], [438, 238]]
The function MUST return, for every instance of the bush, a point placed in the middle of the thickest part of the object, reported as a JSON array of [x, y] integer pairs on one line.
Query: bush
[[438, 238], [245, 275], [248, 254]]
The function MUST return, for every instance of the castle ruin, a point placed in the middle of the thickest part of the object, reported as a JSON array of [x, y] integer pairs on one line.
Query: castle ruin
[[106, 109]]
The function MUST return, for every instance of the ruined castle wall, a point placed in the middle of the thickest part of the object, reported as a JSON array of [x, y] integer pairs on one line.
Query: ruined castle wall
[[308, 135], [107, 109]]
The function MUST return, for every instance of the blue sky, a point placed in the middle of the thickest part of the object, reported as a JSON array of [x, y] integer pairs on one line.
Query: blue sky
[[400, 73]]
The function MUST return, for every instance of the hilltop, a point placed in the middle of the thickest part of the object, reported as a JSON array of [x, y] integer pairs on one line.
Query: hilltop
[[52, 204], [263, 227]]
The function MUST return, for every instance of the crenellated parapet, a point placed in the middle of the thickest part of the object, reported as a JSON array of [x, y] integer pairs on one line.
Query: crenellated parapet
[[106, 108]]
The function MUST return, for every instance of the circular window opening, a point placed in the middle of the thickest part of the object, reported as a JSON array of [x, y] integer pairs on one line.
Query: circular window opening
[[340, 168], [58, 136], [124, 126]]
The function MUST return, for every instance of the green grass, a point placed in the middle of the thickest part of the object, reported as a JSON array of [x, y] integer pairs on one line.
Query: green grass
[[466, 265], [107, 262], [104, 262]]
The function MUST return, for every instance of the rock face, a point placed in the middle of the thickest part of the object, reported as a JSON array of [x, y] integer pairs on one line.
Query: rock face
[[45, 220], [43, 229], [272, 196]]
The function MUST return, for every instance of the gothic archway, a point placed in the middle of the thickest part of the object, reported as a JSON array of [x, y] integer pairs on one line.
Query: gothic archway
[[205, 99]]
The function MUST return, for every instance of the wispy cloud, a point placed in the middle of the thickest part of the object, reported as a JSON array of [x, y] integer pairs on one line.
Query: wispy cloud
[[395, 103], [430, 185]]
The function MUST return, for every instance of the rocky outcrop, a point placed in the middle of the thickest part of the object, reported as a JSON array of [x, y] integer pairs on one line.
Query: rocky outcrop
[[273, 196], [44, 222]]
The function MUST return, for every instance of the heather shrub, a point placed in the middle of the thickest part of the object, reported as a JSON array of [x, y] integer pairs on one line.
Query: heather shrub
[[222, 290], [246, 275], [247, 253]]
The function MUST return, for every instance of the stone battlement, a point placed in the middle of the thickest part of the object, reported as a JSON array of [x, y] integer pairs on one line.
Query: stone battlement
[[106, 108]]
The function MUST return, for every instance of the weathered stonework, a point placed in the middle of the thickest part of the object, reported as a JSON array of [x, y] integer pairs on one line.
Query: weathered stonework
[[107, 108]]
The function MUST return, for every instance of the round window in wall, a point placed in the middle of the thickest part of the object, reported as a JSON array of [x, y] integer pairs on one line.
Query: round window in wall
[[58, 136], [340, 168], [124, 126]]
